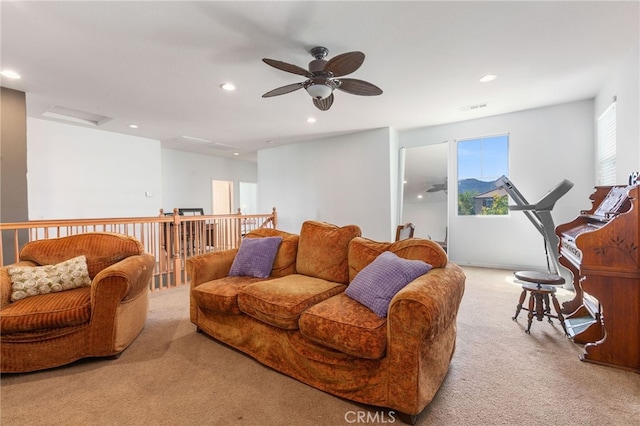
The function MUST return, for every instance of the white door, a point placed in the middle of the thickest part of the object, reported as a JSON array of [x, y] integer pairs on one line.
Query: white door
[[222, 196]]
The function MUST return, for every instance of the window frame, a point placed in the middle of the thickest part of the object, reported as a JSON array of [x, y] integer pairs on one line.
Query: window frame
[[606, 126]]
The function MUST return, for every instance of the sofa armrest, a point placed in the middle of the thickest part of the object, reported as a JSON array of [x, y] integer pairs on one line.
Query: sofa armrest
[[207, 267], [421, 336], [5, 288], [129, 277], [113, 285], [210, 266]]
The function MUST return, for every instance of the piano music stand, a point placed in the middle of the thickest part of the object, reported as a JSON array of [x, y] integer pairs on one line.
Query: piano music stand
[[540, 285]]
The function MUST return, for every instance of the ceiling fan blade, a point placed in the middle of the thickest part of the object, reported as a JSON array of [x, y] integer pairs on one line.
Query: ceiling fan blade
[[344, 64], [324, 104], [358, 87], [284, 89], [283, 66]]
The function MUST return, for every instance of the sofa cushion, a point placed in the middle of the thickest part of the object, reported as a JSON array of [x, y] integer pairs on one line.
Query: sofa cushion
[[255, 257], [285, 261], [323, 250], [380, 280], [363, 251], [221, 295], [280, 301], [343, 324], [47, 311], [27, 281]]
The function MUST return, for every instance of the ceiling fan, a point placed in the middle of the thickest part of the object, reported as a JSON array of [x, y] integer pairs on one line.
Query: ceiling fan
[[323, 77], [438, 187]]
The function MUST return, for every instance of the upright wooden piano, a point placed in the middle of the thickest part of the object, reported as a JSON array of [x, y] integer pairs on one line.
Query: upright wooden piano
[[600, 248]]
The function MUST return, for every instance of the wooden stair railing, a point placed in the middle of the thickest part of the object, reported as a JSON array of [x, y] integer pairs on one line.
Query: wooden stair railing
[[171, 238]]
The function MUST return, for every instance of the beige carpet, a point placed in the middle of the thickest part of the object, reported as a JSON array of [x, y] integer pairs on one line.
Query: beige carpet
[[172, 375]]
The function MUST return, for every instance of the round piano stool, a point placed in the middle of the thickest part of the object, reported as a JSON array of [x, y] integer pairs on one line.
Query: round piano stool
[[541, 288]]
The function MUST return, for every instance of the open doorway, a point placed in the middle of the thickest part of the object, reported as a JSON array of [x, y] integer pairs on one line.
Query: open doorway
[[248, 197], [425, 191]]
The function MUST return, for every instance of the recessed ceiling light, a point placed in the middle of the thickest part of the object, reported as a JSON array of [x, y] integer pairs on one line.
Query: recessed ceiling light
[[133, 126], [229, 87], [487, 78], [236, 153], [420, 196], [311, 120], [10, 74]]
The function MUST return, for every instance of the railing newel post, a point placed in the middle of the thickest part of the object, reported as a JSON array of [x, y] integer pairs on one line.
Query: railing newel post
[[177, 276], [275, 218]]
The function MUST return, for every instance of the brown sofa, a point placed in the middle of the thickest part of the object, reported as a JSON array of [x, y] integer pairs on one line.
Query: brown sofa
[[300, 322], [96, 320]]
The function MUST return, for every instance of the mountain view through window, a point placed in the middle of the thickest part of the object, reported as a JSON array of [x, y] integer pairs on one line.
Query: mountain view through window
[[481, 161]]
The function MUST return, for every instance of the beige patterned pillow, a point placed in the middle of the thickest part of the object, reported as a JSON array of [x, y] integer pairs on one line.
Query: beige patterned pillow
[[29, 281]]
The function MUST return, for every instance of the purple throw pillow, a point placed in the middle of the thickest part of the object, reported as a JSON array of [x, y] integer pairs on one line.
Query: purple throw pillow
[[255, 257], [377, 283]]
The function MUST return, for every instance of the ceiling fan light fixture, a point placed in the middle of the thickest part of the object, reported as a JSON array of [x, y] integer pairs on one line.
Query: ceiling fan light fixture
[[322, 77], [319, 91]]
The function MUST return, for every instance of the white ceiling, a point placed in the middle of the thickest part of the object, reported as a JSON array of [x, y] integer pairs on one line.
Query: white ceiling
[[160, 64]]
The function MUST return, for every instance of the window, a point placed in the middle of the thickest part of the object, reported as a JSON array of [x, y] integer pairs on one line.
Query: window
[[606, 145], [481, 162]]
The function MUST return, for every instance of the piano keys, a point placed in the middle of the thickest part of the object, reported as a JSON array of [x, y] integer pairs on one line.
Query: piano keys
[[600, 248]]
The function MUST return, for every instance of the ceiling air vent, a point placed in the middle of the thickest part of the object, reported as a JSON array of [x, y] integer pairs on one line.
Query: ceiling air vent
[[75, 116], [473, 107], [209, 144], [193, 139]]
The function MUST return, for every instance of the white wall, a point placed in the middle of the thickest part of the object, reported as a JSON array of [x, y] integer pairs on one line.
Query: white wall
[[186, 179], [546, 145], [624, 84], [341, 180], [78, 172]]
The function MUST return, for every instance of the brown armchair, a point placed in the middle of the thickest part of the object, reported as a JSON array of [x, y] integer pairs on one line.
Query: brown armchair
[[99, 320]]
